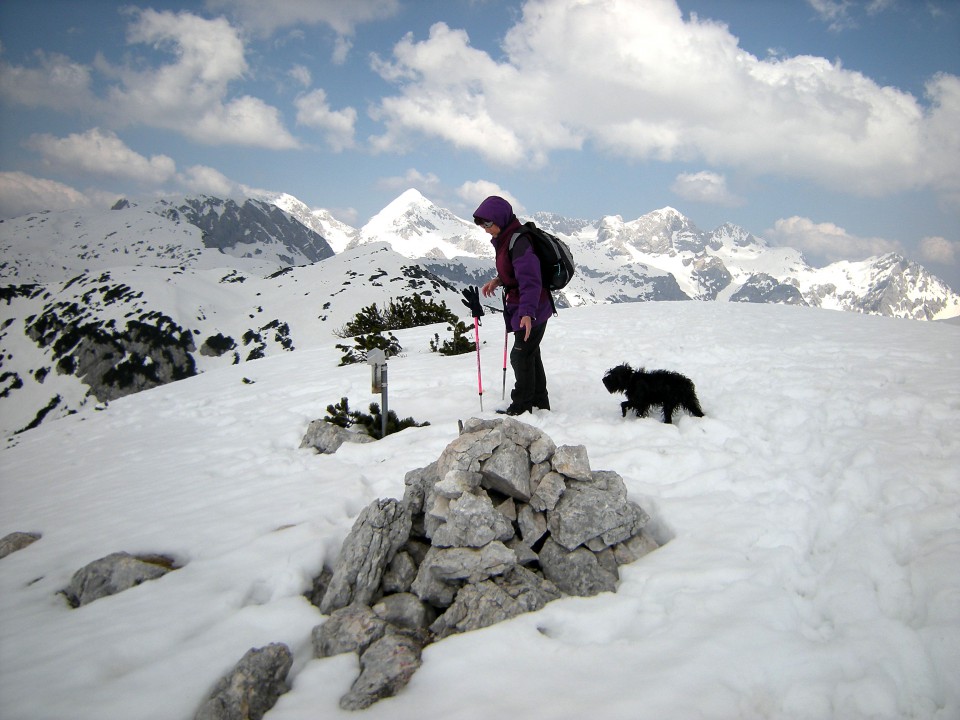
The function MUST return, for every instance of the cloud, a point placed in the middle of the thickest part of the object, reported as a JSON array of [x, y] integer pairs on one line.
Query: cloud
[[473, 193], [56, 82], [301, 74], [836, 13], [705, 187], [827, 242], [189, 95], [640, 81], [264, 18], [208, 181], [313, 111], [429, 185], [939, 250], [21, 194], [101, 153]]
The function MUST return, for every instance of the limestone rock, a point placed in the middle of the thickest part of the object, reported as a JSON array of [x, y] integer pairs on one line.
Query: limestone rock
[[508, 471], [16, 541], [386, 667], [327, 438], [109, 575], [595, 510], [472, 521], [577, 572], [403, 610], [380, 530], [249, 690], [482, 604], [572, 461], [350, 629]]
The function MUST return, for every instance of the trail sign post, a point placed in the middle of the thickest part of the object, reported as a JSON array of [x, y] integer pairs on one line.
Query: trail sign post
[[377, 360]]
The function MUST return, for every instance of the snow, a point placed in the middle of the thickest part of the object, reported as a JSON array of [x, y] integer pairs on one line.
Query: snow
[[810, 528]]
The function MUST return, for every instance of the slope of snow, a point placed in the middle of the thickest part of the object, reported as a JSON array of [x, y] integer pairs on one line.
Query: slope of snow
[[300, 307], [810, 528]]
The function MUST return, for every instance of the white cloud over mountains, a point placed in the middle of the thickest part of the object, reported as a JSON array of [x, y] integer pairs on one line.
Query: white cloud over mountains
[[827, 242], [639, 80], [636, 80]]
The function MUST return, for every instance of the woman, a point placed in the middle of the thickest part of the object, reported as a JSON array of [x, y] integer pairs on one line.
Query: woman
[[526, 304]]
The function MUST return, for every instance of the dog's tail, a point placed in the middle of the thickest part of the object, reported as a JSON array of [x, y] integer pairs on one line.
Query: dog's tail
[[693, 404]]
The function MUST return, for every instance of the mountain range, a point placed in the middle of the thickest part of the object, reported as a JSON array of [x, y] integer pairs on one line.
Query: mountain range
[[100, 304]]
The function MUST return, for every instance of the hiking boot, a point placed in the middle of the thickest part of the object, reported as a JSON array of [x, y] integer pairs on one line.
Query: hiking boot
[[514, 410]]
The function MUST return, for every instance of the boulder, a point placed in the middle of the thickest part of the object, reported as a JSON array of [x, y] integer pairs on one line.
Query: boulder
[[385, 668], [111, 574], [252, 687], [349, 629], [16, 541], [327, 438], [382, 528]]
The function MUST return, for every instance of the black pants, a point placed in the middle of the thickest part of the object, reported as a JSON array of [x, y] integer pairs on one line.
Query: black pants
[[530, 390]]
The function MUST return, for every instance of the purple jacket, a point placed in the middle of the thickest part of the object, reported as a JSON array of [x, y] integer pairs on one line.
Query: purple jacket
[[520, 275], [519, 271]]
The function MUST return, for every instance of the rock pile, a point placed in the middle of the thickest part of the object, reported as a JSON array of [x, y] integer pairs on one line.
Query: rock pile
[[503, 522]]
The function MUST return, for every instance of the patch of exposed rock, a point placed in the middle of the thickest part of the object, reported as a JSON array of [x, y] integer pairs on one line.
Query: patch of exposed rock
[[252, 687], [16, 541], [112, 574]]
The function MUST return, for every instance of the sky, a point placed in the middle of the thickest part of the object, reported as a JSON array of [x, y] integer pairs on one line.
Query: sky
[[825, 125], [808, 529]]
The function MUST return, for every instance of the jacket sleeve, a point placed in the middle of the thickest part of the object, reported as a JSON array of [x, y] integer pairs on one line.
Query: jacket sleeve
[[526, 268]]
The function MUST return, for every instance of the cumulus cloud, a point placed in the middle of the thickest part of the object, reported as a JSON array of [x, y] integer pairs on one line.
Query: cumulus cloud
[[189, 94], [939, 250], [429, 185], [21, 194], [101, 153], [208, 181], [265, 18], [473, 192], [338, 125], [640, 81], [55, 82], [827, 242], [705, 187]]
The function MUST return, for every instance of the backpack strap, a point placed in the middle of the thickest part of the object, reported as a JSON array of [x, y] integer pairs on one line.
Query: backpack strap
[[513, 241]]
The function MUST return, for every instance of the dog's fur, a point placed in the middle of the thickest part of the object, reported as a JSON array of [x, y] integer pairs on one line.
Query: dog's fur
[[656, 387]]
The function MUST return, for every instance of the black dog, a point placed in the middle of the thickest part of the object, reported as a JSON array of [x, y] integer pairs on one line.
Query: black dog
[[657, 387]]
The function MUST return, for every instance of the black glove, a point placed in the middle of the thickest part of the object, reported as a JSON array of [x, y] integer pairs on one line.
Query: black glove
[[472, 301]]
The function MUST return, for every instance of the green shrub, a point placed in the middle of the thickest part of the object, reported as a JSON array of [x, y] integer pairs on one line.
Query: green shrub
[[341, 415], [363, 344], [460, 344], [405, 312]]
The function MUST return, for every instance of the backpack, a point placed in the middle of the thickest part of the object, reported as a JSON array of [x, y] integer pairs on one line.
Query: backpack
[[556, 260]]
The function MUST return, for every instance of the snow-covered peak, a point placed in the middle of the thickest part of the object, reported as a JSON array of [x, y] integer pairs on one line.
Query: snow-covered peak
[[416, 227]]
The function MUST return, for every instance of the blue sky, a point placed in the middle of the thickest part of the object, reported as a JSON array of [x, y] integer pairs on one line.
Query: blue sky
[[827, 125]]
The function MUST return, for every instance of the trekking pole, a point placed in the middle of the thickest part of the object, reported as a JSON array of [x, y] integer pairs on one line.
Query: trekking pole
[[476, 337], [472, 300], [503, 390]]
